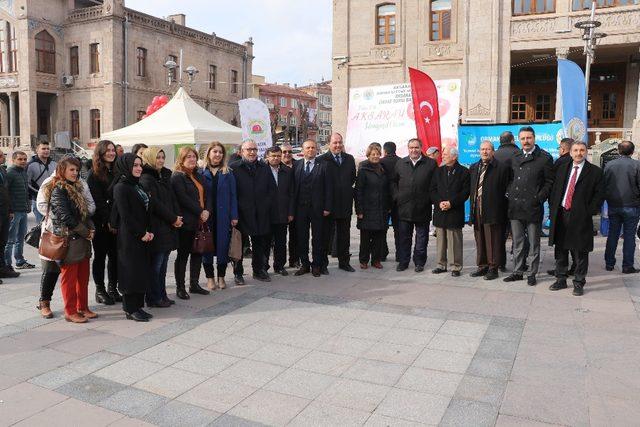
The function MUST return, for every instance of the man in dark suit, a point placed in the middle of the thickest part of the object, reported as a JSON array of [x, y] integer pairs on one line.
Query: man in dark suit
[[505, 154], [282, 209], [410, 188], [576, 196], [389, 165], [314, 198], [256, 191], [488, 213], [341, 168], [288, 161], [449, 192]]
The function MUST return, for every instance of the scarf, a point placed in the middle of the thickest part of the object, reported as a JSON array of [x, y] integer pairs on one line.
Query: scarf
[[124, 167]]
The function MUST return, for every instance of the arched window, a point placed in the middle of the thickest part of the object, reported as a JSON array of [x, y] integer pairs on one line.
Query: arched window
[[45, 53], [386, 24], [440, 20]]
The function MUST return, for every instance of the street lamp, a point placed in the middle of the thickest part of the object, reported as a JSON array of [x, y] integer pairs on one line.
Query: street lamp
[[191, 71], [171, 66], [590, 37]]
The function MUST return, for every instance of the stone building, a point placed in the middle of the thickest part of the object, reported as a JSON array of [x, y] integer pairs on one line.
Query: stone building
[[322, 92], [91, 66], [287, 103], [504, 52]]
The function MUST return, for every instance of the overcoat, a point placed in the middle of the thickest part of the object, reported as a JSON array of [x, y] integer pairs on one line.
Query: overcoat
[[411, 187], [530, 186], [373, 198], [343, 177], [494, 199], [226, 208], [256, 191], [165, 209], [453, 186]]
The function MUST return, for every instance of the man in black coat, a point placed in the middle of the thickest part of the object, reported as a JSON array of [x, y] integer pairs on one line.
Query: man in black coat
[[576, 196], [341, 168], [532, 178], [281, 209], [410, 188], [488, 213], [314, 199], [256, 190], [449, 192], [389, 165], [288, 161], [505, 154]]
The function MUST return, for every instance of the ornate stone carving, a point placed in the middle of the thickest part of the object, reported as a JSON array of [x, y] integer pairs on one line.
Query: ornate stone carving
[[533, 26], [384, 53], [479, 110], [7, 82], [441, 50], [615, 20], [7, 6]]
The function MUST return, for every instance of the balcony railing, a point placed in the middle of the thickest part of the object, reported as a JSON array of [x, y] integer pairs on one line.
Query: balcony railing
[[623, 133], [85, 14], [10, 142]]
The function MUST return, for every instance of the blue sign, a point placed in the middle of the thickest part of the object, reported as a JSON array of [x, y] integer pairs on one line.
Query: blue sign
[[573, 99]]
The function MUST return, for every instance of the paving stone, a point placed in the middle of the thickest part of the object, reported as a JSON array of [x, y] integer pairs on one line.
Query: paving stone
[[217, 394], [365, 331], [323, 325], [72, 412], [407, 337], [443, 360], [503, 333], [130, 422], [91, 389], [170, 382], [28, 364], [469, 317], [177, 413], [166, 353], [269, 407], [380, 318], [228, 420], [133, 402], [511, 421], [420, 323], [57, 377], [498, 349], [377, 420], [279, 354], [490, 368], [206, 363], [465, 329], [413, 406], [263, 331], [94, 362], [323, 414], [354, 394], [9, 330], [374, 371], [429, 381], [198, 338], [24, 400], [300, 383], [237, 346], [469, 412], [454, 343], [251, 373], [325, 363], [485, 390], [507, 322], [302, 338], [346, 345], [394, 353], [129, 370]]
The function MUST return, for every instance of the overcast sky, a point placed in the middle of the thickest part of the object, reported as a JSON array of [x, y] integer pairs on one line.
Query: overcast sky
[[292, 39]]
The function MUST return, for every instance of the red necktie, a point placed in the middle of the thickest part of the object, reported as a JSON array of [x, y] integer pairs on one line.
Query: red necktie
[[571, 189]]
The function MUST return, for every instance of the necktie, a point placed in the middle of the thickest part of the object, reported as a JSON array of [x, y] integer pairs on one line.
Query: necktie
[[338, 159], [483, 171], [571, 189], [307, 168]]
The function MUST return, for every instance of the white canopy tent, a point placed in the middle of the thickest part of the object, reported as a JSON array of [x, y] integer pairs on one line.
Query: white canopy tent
[[181, 121]]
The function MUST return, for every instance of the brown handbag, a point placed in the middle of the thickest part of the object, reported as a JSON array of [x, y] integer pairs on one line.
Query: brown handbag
[[52, 246], [235, 245], [203, 240]]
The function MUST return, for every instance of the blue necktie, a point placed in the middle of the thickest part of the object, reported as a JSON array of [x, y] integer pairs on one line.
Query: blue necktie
[[338, 159], [307, 168]]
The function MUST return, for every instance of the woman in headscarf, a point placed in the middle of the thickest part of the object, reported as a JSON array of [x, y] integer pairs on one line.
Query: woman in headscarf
[[191, 193], [221, 189], [165, 221], [132, 214]]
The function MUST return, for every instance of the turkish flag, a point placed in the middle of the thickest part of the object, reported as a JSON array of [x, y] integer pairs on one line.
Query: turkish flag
[[425, 109]]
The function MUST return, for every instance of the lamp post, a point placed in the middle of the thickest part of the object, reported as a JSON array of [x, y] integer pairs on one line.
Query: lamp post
[[590, 37], [191, 71], [171, 66]]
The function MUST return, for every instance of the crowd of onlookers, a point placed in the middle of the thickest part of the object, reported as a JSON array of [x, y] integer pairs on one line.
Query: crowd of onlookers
[[121, 223]]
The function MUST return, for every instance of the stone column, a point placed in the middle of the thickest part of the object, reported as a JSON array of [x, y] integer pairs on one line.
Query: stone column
[[561, 53], [635, 130], [6, 44], [12, 114]]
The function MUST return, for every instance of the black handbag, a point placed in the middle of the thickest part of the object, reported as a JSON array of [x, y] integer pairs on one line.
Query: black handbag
[[203, 240], [32, 238]]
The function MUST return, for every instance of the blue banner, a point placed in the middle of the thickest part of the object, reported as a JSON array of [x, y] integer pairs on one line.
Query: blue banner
[[573, 99]]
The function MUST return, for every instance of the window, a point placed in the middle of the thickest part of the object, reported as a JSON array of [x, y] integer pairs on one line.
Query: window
[[234, 81], [45, 53], [283, 101], [74, 67], [386, 24], [518, 108], [95, 124], [75, 124], [586, 4], [543, 108], [440, 19], [213, 74], [13, 54], [141, 56], [293, 120], [325, 100], [94, 58], [527, 7], [173, 73], [140, 114], [609, 105], [294, 103]]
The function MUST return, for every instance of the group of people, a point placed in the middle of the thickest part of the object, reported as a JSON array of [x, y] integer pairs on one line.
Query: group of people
[[135, 211]]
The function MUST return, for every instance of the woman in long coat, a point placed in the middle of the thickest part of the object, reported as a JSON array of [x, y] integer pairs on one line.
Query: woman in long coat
[[373, 203], [221, 190], [165, 221], [132, 207]]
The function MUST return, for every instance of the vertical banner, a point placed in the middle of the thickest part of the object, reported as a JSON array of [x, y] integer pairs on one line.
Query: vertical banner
[[573, 98], [256, 123], [425, 109]]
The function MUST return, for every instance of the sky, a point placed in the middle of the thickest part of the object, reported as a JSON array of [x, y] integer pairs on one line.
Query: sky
[[292, 38]]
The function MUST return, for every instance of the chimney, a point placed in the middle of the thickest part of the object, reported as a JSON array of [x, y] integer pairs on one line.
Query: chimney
[[178, 18], [285, 84]]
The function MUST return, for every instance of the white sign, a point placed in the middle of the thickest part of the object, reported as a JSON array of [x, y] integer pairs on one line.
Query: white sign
[[256, 123], [385, 113]]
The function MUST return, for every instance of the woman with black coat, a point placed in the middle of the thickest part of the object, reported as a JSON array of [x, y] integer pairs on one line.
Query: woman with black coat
[[100, 182], [165, 221], [189, 189], [132, 214], [373, 203]]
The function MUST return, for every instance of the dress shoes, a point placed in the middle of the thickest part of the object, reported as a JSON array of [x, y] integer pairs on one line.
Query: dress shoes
[[402, 267], [315, 271], [609, 267], [8, 273], [137, 316], [491, 275], [439, 270], [551, 273], [630, 270], [196, 289], [419, 268], [262, 276], [455, 273], [479, 272], [503, 269], [513, 277], [557, 285], [282, 272], [302, 270], [376, 265], [238, 280], [324, 271], [145, 314], [363, 266], [531, 280], [160, 304], [346, 267], [578, 290], [181, 293]]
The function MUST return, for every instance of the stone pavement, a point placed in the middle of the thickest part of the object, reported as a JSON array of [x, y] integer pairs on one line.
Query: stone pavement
[[367, 348]]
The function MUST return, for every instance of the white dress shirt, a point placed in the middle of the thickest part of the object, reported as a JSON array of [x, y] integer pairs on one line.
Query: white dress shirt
[[414, 162], [274, 172], [311, 162], [578, 172]]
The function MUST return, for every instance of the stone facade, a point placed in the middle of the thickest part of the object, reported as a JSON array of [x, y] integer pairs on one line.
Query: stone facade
[[119, 89], [486, 43]]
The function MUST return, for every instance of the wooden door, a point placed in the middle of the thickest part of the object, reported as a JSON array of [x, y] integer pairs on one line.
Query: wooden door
[[606, 110]]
